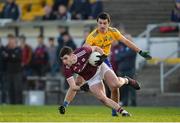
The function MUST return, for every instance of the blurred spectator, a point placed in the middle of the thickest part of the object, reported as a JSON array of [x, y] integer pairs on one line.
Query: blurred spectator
[[40, 61], [62, 13], [49, 15], [61, 29], [66, 41], [81, 10], [175, 14], [175, 17], [52, 50], [12, 55], [57, 3], [2, 74], [86, 32], [26, 58], [11, 10], [123, 59], [97, 7]]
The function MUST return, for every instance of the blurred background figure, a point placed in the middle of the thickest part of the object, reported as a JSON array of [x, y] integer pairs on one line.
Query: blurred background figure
[[61, 30], [49, 15], [123, 62], [97, 7], [57, 3], [2, 75], [60, 42], [40, 61], [10, 10], [26, 59], [175, 14], [86, 32], [12, 56], [63, 13], [81, 10], [67, 40], [52, 50]]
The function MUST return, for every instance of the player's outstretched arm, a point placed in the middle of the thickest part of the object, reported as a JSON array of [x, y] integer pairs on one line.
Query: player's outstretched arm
[[145, 54], [72, 84], [131, 45]]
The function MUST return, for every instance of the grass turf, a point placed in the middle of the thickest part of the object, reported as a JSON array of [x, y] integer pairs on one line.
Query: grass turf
[[86, 114]]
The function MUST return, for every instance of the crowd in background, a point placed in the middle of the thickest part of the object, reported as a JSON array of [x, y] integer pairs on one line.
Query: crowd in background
[[59, 10], [18, 60]]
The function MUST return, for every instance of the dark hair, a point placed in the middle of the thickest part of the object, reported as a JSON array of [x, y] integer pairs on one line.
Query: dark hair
[[104, 16], [22, 37], [65, 51], [51, 39], [10, 36], [65, 33], [40, 36]]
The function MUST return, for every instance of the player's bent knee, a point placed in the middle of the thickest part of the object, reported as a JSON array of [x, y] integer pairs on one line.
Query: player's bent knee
[[114, 86], [79, 83]]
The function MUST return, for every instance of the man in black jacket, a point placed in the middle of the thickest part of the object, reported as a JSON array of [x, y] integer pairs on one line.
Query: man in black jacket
[[2, 71], [11, 10], [12, 56]]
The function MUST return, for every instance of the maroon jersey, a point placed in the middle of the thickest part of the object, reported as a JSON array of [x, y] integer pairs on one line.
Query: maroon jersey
[[81, 67]]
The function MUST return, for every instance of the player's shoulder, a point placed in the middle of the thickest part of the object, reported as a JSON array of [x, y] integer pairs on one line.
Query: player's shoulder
[[83, 49], [93, 34], [112, 29]]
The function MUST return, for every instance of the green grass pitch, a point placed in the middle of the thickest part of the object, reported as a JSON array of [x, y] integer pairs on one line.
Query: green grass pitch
[[86, 114]]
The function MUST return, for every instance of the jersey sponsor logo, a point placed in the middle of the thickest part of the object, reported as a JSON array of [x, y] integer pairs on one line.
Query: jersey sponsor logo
[[81, 53], [83, 60], [67, 67], [108, 38]]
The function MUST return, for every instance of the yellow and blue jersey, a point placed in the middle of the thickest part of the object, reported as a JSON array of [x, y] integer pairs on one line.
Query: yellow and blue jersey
[[104, 40]]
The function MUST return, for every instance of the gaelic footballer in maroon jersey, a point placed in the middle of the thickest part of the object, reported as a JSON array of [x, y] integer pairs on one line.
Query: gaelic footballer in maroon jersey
[[81, 66], [77, 62]]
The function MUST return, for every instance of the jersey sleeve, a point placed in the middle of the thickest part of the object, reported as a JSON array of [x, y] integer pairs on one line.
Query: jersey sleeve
[[117, 34], [89, 40], [67, 72], [87, 49]]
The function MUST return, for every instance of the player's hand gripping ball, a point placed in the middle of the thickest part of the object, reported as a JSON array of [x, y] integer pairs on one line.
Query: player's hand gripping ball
[[94, 57]]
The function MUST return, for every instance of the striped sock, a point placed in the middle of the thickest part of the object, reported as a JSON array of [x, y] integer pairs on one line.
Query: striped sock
[[65, 104], [120, 110]]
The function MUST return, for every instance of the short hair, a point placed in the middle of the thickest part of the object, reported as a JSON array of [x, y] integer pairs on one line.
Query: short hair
[[22, 37], [51, 39], [41, 36], [104, 16], [65, 51], [10, 36], [65, 33]]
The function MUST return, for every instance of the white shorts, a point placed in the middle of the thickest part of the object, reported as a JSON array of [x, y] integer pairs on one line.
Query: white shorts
[[98, 77]]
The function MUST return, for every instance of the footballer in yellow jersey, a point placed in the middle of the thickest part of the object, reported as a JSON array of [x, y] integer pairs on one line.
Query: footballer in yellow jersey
[[104, 40], [104, 36]]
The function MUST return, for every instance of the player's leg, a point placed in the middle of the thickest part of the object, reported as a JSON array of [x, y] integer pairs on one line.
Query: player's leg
[[116, 82], [115, 97], [115, 94], [98, 91]]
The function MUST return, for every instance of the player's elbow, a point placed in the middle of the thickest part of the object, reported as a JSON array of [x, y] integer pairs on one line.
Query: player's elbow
[[73, 88]]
